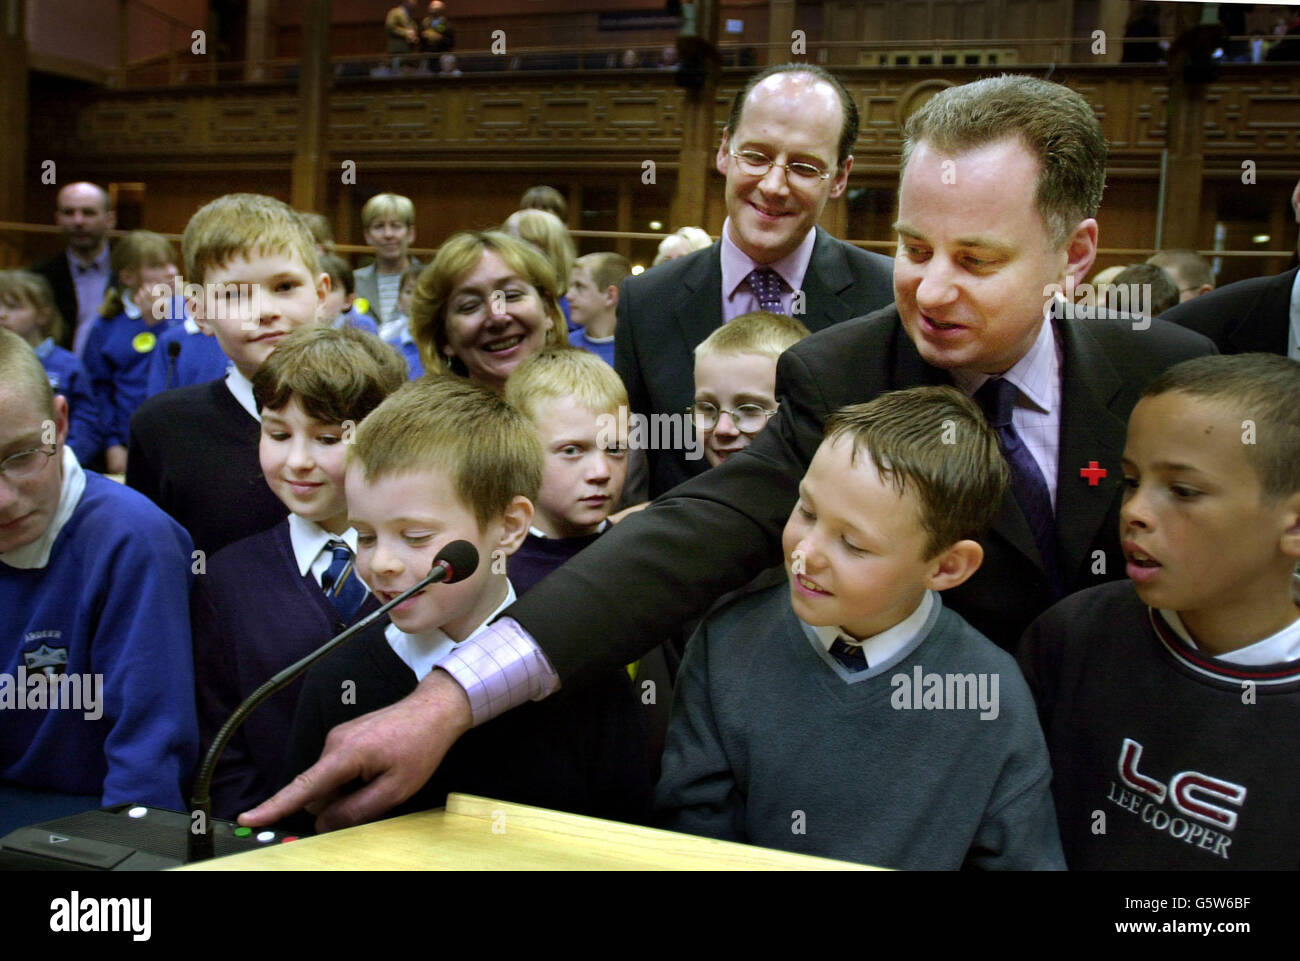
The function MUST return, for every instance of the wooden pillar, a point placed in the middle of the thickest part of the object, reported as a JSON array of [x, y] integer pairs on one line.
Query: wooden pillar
[[16, 181], [307, 189], [624, 244], [1112, 18], [695, 157], [257, 40], [1184, 160], [780, 24]]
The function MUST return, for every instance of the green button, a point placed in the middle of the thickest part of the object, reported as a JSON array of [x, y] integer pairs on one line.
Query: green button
[[243, 832]]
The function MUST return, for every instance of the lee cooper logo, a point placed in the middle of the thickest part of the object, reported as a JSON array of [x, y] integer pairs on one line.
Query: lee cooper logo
[[1191, 793]]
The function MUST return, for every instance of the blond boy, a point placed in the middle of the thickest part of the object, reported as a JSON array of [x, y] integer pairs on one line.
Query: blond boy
[[193, 450], [572, 398], [735, 380], [444, 460], [593, 301]]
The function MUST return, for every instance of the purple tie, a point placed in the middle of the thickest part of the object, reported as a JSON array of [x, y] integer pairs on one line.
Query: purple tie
[[997, 398], [767, 285]]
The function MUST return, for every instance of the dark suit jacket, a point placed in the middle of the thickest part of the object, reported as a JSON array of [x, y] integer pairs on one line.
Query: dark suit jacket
[[1245, 317], [665, 313], [712, 534], [56, 271]]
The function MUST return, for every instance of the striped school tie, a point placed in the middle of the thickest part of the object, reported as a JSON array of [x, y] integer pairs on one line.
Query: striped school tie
[[340, 582], [850, 655]]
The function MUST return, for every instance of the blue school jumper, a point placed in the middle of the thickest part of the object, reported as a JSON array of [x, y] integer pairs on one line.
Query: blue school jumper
[[68, 377], [117, 356], [200, 359]]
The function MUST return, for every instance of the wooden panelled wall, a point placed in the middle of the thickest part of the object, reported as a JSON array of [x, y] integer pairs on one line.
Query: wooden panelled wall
[[464, 149]]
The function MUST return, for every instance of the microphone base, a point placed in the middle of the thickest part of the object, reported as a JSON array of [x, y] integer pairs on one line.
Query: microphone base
[[122, 837]]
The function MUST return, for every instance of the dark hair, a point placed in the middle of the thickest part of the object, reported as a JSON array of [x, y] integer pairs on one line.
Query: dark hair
[[1264, 388], [1164, 292], [936, 442], [1184, 267], [848, 130], [1055, 123], [545, 198], [339, 271], [337, 375]]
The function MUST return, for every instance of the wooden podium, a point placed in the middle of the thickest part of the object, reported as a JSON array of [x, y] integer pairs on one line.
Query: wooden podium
[[479, 834]]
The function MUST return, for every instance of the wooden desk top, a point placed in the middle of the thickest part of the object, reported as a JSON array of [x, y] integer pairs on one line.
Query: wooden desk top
[[473, 833]]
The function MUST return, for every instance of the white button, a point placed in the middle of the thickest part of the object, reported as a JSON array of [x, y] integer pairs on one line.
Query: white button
[[265, 836], [137, 812]]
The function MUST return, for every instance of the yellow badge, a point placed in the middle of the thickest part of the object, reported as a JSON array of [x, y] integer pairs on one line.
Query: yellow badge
[[362, 305], [144, 342]]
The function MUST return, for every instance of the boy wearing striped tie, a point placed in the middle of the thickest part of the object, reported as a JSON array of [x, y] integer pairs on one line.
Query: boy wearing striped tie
[[269, 599]]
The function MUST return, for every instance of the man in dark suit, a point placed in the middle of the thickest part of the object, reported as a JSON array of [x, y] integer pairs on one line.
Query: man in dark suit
[[1001, 183], [785, 152], [81, 273], [1248, 316]]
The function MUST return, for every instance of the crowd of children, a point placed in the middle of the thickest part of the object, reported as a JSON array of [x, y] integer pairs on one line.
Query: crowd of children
[[300, 440]]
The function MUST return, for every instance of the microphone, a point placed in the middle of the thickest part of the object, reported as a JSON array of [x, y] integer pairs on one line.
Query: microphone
[[455, 562], [173, 351]]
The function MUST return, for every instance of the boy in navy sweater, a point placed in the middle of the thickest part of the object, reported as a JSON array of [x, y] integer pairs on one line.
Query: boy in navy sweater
[[849, 714], [572, 398], [96, 676], [274, 597], [444, 460], [1171, 700], [194, 450]]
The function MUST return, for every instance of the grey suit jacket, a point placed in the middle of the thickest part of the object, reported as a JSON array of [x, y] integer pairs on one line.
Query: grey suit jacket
[[365, 283], [664, 313]]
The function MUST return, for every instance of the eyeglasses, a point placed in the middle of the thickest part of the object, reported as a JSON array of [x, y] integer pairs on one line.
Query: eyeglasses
[[25, 463], [749, 418], [757, 164]]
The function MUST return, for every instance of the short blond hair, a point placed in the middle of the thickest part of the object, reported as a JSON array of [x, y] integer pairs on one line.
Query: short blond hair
[[385, 206], [552, 374], [245, 225], [547, 233], [606, 268], [488, 449], [34, 290], [20, 367], [758, 332], [459, 255]]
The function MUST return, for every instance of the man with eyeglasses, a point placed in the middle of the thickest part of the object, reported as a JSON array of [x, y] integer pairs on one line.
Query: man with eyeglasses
[[785, 152], [96, 669]]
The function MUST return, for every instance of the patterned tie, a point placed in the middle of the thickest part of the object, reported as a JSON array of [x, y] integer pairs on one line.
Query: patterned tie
[[340, 583], [997, 398], [767, 286], [850, 655]]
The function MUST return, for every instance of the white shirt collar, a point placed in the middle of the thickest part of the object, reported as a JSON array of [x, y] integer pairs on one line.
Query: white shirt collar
[[538, 532], [879, 648], [36, 555], [308, 539], [1033, 374], [423, 652], [1280, 648], [242, 388], [129, 308]]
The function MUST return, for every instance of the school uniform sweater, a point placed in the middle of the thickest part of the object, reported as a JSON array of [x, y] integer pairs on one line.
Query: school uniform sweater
[[112, 599], [538, 556], [580, 750], [773, 742], [1164, 757], [117, 357], [194, 454], [68, 376], [198, 359], [253, 614]]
